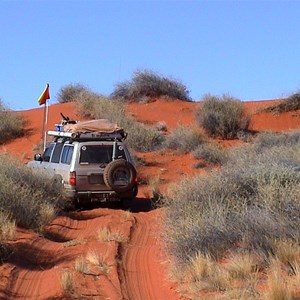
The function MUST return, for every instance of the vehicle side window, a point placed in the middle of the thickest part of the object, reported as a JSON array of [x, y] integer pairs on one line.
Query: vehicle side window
[[66, 155], [47, 154], [56, 153]]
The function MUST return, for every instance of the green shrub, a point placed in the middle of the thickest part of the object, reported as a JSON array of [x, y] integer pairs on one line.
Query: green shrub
[[27, 195], [211, 152], [73, 92], [140, 136], [11, 124], [184, 139], [291, 103], [253, 201], [222, 116], [149, 84]]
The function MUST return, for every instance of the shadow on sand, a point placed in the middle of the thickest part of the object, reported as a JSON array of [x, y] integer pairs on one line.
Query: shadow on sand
[[135, 205]]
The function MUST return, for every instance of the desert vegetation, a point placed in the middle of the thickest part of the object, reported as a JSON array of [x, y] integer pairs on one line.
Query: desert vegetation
[[184, 139], [67, 282], [27, 197], [11, 124], [291, 103], [222, 117], [211, 152], [232, 233], [72, 92], [148, 84], [106, 235], [250, 206]]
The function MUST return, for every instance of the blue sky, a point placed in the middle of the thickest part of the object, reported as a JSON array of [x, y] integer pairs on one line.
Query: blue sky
[[249, 49]]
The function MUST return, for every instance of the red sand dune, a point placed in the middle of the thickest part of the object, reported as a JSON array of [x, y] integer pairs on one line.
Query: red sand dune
[[138, 267]]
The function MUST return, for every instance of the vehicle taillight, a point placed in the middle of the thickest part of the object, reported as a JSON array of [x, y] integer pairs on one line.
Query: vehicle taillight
[[136, 179], [72, 178]]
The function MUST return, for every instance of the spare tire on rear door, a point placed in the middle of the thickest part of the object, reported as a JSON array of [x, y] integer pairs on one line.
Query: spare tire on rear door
[[119, 175]]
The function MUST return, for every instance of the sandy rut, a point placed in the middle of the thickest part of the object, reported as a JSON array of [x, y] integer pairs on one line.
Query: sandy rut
[[136, 269], [142, 265]]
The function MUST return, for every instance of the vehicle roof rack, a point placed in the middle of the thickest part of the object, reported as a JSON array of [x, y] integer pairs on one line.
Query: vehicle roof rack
[[91, 136]]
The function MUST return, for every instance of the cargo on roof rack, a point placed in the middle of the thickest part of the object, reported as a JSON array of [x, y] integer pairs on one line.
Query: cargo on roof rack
[[101, 129], [100, 125], [89, 135]]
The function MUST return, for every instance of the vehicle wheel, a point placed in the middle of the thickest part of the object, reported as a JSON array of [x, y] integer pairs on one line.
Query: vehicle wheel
[[119, 175]]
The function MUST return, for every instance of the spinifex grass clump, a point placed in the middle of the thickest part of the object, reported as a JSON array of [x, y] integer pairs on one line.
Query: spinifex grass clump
[[11, 124], [211, 152], [253, 201], [27, 196], [268, 140], [147, 84], [184, 139]]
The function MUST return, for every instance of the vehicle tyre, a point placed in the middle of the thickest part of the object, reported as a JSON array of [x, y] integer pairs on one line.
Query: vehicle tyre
[[119, 175]]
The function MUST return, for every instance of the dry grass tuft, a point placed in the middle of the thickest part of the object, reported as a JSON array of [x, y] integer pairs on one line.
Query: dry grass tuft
[[219, 279], [99, 260], [67, 282], [106, 235], [81, 265], [211, 152], [72, 243], [11, 124], [184, 139], [287, 252], [128, 216], [242, 265], [278, 287], [7, 226], [156, 194], [207, 274], [199, 266], [249, 292]]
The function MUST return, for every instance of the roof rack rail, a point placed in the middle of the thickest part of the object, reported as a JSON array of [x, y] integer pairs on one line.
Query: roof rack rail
[[89, 135]]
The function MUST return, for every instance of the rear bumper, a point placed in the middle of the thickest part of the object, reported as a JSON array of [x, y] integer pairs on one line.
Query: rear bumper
[[105, 195], [97, 195]]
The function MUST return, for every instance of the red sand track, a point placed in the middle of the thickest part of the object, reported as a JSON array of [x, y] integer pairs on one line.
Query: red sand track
[[138, 267], [143, 274]]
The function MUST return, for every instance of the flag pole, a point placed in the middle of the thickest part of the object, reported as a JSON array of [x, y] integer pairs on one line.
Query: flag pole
[[43, 100], [44, 134]]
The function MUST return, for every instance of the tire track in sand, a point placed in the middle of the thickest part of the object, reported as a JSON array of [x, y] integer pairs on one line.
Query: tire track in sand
[[143, 275]]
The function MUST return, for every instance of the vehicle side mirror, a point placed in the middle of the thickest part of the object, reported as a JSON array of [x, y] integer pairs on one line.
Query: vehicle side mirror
[[38, 157]]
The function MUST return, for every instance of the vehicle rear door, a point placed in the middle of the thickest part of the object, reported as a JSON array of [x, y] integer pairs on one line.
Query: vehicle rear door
[[92, 160]]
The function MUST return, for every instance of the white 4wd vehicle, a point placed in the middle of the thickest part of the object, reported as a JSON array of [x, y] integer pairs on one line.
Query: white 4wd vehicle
[[91, 166]]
